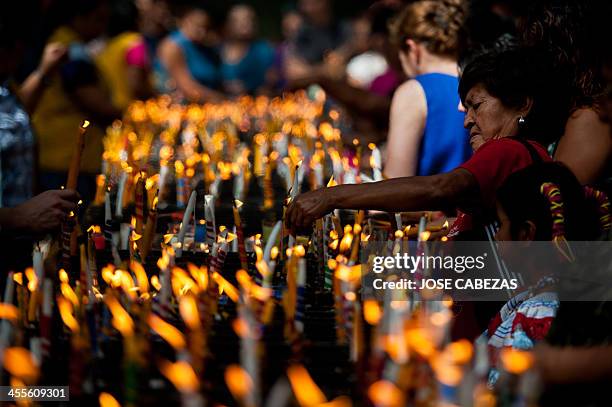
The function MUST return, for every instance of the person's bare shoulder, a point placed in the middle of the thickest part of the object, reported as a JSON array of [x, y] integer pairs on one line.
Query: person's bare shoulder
[[586, 118], [168, 50], [410, 94]]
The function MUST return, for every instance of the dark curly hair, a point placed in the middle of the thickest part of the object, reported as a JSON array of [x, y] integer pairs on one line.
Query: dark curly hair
[[567, 30], [514, 76]]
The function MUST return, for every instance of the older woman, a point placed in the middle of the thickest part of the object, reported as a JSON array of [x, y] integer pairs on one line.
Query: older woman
[[510, 114]]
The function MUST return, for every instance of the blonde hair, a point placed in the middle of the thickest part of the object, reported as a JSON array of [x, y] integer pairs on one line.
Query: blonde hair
[[435, 23]]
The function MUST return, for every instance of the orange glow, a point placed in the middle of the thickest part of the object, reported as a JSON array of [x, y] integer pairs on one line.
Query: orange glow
[[331, 182], [305, 389], [225, 287], [141, 276], [69, 294], [107, 400], [200, 275], [419, 342], [238, 381], [8, 311], [299, 251], [346, 242], [460, 351], [155, 283], [181, 374], [425, 235], [168, 332], [385, 394], [372, 312], [121, 319], [65, 309], [516, 361], [20, 363], [189, 312], [32, 279], [348, 274], [18, 278]]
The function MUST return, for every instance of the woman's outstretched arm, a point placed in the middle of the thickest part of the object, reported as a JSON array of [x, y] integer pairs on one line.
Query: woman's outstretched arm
[[436, 192]]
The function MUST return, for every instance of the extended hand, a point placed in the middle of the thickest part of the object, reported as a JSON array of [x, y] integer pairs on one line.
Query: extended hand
[[307, 208], [53, 54], [43, 213]]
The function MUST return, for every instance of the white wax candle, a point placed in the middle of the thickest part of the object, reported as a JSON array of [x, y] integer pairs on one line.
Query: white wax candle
[[189, 212], [272, 240]]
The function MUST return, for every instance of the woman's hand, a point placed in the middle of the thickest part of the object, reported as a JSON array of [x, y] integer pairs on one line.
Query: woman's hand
[[307, 208], [53, 55], [43, 213]]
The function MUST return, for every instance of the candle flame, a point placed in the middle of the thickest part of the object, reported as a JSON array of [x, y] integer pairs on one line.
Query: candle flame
[[200, 275], [305, 389], [8, 311], [238, 381], [65, 309], [121, 319], [69, 294], [107, 400], [274, 253], [167, 331], [85, 124], [141, 276], [155, 283], [181, 375], [189, 312], [20, 363], [225, 287], [384, 393], [372, 312], [331, 182], [516, 361]]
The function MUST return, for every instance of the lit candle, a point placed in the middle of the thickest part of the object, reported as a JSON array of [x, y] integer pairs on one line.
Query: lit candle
[[149, 232], [120, 192], [189, 212], [376, 162], [271, 242], [100, 189], [240, 234], [209, 215], [75, 163]]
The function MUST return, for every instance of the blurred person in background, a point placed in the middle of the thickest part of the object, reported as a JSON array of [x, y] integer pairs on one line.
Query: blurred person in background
[[191, 65], [76, 92], [23, 215], [567, 30], [367, 64], [245, 59], [426, 134], [322, 37], [291, 23], [155, 23], [368, 106], [124, 62]]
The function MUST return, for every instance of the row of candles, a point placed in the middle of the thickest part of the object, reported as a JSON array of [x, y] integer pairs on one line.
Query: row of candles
[[400, 345]]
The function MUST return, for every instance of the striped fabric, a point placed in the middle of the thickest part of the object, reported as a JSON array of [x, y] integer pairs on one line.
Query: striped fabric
[[521, 322]]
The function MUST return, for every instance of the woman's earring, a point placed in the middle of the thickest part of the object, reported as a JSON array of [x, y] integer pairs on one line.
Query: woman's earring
[[521, 121]]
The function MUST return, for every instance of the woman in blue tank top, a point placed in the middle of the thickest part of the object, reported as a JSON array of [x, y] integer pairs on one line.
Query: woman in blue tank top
[[187, 64], [426, 134]]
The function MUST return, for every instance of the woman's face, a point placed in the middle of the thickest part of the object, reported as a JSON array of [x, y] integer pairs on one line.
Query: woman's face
[[196, 25], [487, 118], [241, 23]]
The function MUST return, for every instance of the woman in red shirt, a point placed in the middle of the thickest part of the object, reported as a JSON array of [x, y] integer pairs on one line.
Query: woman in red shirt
[[512, 110]]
